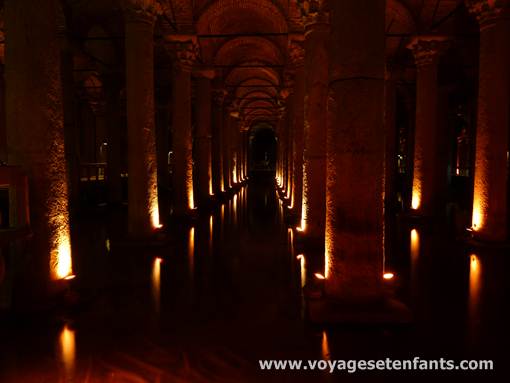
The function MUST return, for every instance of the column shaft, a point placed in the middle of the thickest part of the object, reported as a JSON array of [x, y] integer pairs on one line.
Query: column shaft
[[35, 131], [355, 165], [203, 140], [182, 143], [143, 208], [217, 143], [490, 199], [314, 170]]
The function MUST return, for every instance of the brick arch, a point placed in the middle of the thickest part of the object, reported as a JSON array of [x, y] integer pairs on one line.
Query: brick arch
[[237, 16], [237, 50]]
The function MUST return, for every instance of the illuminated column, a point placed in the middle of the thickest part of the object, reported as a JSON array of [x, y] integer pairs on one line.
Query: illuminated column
[[112, 111], [35, 131], [355, 149], [217, 141], [234, 148], [296, 53], [182, 140], [245, 152], [390, 128], [3, 128], [490, 199], [203, 137], [429, 175], [163, 107], [316, 96], [226, 148], [143, 210]]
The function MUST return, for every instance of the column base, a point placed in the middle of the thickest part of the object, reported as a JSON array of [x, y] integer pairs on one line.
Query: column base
[[422, 218], [304, 242], [188, 215], [476, 242], [291, 217], [327, 310]]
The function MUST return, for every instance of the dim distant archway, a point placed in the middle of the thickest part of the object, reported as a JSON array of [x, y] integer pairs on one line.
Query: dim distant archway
[[262, 150]]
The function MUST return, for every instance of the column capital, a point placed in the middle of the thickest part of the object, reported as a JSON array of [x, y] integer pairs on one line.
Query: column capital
[[141, 11], [314, 11], [427, 49], [487, 11], [218, 96], [203, 72], [296, 54], [186, 51]]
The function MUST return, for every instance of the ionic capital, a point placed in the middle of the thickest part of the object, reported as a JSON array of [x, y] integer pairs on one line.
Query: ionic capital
[[314, 11], [144, 11], [487, 11], [427, 49]]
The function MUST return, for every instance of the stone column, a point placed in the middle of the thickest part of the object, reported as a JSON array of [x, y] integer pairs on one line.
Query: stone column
[[217, 141], [3, 128], [297, 120], [35, 132], [244, 140], [390, 135], [143, 210], [490, 199], [226, 145], [234, 149], [182, 140], [429, 175], [316, 96], [355, 149], [112, 88], [71, 131], [163, 105], [203, 137]]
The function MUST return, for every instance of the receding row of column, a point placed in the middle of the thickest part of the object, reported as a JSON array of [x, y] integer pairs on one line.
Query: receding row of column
[[208, 158], [339, 167]]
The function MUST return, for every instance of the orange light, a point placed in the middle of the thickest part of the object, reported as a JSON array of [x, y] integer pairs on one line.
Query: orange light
[[388, 276], [300, 256], [415, 203], [477, 220], [155, 216], [319, 276], [189, 184], [61, 261]]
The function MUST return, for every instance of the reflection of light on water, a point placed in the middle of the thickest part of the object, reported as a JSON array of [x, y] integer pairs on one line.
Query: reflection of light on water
[[290, 231], [475, 287], [211, 220], [325, 346], [319, 276], [107, 244], [156, 282], [191, 251], [415, 245], [67, 349], [234, 211], [475, 279], [302, 267]]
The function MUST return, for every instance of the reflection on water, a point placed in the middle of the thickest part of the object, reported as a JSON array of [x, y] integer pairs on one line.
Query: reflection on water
[[325, 346], [475, 288], [67, 350], [191, 252], [156, 283], [226, 295]]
